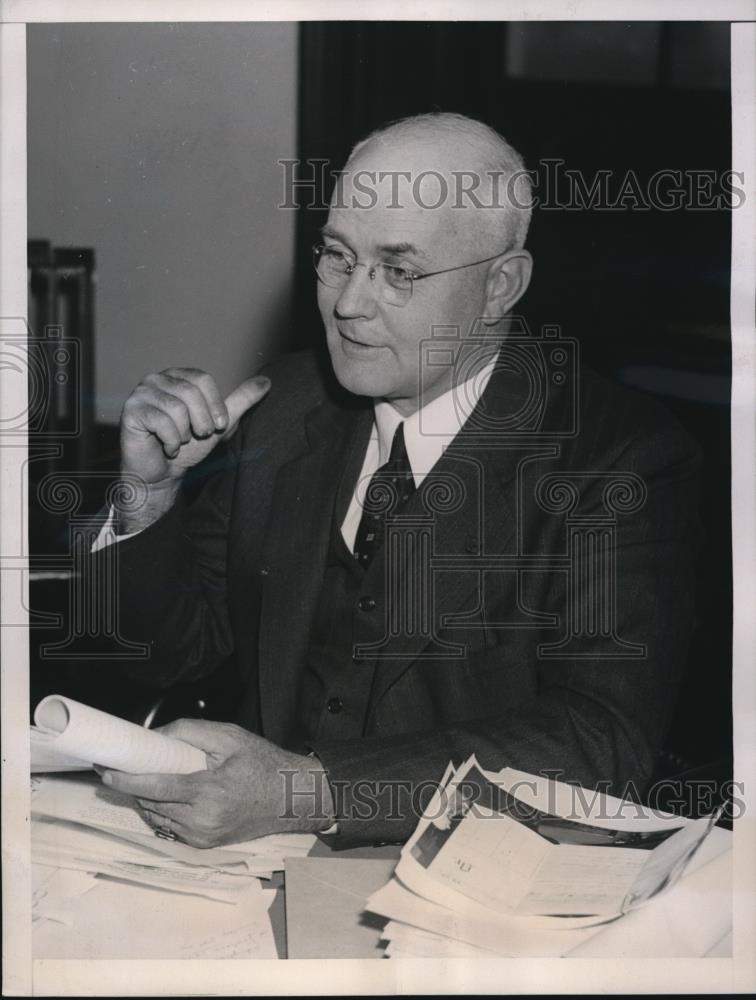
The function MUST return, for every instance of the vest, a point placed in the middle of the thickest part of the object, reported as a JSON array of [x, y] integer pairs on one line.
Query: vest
[[335, 686]]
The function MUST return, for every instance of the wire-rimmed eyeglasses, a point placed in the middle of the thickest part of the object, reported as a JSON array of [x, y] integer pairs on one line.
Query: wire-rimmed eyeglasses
[[394, 282]]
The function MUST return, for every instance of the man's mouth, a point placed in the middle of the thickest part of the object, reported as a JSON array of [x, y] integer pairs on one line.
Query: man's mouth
[[353, 341]]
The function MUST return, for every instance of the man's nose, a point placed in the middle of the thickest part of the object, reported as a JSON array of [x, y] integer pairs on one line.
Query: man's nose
[[359, 296]]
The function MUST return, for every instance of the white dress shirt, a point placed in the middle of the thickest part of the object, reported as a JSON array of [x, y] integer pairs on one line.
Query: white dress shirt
[[427, 434]]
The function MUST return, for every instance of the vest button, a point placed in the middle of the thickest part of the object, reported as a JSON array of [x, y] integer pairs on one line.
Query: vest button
[[366, 603], [334, 705]]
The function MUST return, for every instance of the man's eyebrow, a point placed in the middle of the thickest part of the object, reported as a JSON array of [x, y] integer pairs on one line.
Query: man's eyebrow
[[329, 231], [396, 249]]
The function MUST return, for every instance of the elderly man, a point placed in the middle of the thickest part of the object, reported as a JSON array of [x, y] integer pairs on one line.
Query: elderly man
[[461, 544]]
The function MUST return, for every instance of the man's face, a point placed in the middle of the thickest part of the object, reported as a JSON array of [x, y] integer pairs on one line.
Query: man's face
[[375, 345]]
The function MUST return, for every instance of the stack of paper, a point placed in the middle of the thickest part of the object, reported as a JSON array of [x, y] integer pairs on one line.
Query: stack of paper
[[79, 825], [86, 837], [118, 920], [513, 864]]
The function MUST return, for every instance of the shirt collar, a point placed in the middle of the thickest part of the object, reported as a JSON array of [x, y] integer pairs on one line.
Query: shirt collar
[[432, 428]]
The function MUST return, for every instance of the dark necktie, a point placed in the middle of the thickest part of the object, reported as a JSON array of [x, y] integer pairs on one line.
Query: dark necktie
[[389, 487]]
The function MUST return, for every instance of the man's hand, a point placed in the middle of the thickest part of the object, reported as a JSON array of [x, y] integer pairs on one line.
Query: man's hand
[[170, 422], [251, 788]]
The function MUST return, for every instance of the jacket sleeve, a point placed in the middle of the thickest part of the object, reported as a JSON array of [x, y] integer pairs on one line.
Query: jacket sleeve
[[170, 580], [174, 581], [596, 721]]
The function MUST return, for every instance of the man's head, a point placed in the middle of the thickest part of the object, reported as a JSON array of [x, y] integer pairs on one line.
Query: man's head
[[426, 194]]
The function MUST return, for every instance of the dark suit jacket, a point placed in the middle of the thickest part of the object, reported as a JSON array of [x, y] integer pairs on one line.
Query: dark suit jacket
[[547, 678]]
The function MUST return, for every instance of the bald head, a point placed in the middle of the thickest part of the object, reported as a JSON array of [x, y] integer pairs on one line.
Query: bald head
[[424, 231], [450, 164]]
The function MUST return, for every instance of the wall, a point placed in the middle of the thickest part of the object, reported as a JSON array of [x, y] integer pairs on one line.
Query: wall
[[157, 144]]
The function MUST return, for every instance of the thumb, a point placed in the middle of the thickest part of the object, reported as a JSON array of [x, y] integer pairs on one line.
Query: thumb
[[243, 397]]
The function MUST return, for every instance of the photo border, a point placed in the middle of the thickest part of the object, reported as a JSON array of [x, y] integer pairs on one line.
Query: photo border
[[21, 975]]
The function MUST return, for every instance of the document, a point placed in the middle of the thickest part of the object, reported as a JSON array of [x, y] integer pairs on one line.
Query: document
[[522, 937], [691, 921], [68, 734], [521, 865], [121, 920], [480, 841], [73, 848]]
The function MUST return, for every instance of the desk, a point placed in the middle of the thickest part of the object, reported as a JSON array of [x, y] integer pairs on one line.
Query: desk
[[122, 920], [115, 919]]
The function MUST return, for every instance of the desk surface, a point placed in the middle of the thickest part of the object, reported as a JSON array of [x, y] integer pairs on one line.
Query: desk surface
[[110, 918]]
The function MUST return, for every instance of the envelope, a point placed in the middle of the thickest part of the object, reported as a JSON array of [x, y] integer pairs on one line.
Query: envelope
[[325, 900]]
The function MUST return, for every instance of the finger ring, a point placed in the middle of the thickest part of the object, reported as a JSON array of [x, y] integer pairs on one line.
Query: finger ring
[[165, 833]]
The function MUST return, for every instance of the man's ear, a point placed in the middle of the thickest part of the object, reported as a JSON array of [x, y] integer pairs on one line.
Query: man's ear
[[508, 279]]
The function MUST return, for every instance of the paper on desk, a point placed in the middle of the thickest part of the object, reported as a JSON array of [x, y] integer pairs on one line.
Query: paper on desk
[[185, 879], [73, 732], [522, 937], [480, 844], [55, 834], [250, 938], [119, 920], [468, 875], [486, 869], [405, 941], [83, 799], [668, 857], [54, 891], [559, 798], [276, 845], [686, 922], [70, 847]]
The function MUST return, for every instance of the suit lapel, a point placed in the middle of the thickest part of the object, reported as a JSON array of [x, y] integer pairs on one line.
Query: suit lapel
[[484, 522], [296, 552], [470, 500]]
